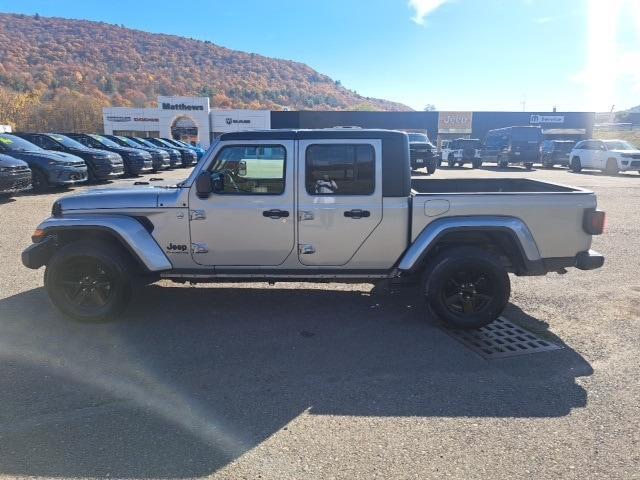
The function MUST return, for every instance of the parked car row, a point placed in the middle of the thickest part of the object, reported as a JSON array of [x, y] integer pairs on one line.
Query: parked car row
[[525, 146], [43, 160]]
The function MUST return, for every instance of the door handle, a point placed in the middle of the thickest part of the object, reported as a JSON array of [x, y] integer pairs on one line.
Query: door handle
[[357, 213], [275, 213]]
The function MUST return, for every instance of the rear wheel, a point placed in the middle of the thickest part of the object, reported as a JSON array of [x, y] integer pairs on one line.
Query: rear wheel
[[476, 163], [431, 168], [502, 163], [528, 166], [612, 167], [575, 165], [451, 161], [466, 287], [90, 282]]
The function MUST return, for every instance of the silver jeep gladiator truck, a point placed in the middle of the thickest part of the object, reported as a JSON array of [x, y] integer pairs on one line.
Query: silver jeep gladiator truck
[[334, 205]]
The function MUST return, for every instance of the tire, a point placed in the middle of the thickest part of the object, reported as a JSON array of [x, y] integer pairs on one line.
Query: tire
[[431, 168], [612, 167], [451, 161], [502, 163], [575, 165], [476, 163], [528, 166], [90, 282], [39, 181], [466, 287]]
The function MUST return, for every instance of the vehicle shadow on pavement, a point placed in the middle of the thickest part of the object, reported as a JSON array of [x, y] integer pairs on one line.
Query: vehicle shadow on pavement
[[193, 378]]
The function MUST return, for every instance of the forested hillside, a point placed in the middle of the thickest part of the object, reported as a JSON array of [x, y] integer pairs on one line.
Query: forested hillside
[[54, 61]]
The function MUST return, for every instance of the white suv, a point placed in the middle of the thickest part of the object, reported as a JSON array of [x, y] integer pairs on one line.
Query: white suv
[[611, 156]]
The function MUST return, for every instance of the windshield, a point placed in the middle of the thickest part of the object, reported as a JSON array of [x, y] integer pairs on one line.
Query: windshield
[[17, 144], [128, 142], [528, 135], [67, 142], [162, 142], [104, 141], [619, 145], [563, 146], [418, 137]]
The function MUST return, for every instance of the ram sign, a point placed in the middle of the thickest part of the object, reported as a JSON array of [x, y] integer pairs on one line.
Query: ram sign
[[455, 122]]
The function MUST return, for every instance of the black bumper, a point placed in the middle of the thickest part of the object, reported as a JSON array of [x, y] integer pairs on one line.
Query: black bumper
[[38, 254], [589, 260]]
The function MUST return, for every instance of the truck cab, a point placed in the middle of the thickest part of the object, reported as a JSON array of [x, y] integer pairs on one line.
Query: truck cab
[[333, 205]]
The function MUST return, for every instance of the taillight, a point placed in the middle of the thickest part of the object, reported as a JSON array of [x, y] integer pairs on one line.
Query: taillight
[[594, 221]]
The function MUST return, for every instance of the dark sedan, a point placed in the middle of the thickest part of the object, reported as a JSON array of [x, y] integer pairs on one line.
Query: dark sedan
[[15, 175], [189, 157], [159, 158], [47, 168], [101, 165], [175, 158], [136, 161]]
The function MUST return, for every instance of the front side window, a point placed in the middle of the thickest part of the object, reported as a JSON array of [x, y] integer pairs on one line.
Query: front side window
[[251, 169], [340, 169]]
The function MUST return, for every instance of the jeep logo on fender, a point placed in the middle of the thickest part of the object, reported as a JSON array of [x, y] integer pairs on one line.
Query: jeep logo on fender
[[176, 248]]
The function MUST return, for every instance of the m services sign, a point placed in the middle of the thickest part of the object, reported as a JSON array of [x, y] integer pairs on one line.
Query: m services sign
[[536, 119]]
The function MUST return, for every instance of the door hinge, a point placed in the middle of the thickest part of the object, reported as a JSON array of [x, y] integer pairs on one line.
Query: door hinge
[[197, 215], [305, 215], [199, 248], [306, 249]]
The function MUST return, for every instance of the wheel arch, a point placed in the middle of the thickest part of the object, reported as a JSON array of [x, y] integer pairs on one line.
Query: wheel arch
[[128, 233], [507, 237]]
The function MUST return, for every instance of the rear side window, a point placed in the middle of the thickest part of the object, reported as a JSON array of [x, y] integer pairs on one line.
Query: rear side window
[[43, 142], [340, 169]]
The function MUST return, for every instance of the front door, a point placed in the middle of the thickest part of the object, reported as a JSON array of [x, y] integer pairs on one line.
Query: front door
[[250, 221], [339, 198]]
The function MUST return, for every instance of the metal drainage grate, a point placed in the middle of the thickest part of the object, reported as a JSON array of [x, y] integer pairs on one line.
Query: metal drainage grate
[[502, 338]]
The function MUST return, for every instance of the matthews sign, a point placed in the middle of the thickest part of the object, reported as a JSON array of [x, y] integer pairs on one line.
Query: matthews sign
[[180, 106]]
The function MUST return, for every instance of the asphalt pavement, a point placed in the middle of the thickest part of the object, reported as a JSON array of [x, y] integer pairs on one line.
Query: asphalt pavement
[[324, 381]]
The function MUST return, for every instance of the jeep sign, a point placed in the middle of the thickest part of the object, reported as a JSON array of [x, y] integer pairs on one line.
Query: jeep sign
[[455, 122]]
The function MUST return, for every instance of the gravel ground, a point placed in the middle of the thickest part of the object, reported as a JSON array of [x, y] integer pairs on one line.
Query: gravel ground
[[324, 381]]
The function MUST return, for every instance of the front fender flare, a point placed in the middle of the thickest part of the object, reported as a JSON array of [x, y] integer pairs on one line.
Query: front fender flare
[[429, 237], [131, 233]]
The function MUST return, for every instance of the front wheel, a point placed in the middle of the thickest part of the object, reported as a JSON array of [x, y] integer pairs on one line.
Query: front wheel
[[528, 166], [476, 163], [466, 287], [39, 181], [451, 161], [431, 168], [612, 167], [90, 282], [575, 165]]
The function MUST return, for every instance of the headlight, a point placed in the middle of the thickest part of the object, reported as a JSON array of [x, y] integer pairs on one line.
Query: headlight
[[64, 164]]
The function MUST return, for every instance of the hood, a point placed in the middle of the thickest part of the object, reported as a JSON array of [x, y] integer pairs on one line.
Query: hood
[[46, 155], [90, 151], [628, 152], [7, 161], [117, 198]]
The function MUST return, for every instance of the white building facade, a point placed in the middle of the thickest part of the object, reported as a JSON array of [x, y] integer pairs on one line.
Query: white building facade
[[186, 118]]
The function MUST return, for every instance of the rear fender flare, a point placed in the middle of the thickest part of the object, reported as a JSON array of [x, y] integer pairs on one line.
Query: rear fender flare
[[434, 231]]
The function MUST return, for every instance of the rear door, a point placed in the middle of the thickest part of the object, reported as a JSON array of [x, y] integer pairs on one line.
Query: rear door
[[339, 198]]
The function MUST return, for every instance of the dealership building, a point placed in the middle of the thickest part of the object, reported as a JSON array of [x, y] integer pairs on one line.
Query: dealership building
[[192, 119]]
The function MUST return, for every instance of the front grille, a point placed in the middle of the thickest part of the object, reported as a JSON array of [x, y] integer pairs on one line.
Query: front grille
[[635, 164]]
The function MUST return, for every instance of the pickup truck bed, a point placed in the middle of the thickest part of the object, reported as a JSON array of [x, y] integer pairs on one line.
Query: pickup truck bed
[[519, 199]]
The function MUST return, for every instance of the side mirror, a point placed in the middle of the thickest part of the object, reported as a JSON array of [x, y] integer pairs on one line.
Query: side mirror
[[204, 185]]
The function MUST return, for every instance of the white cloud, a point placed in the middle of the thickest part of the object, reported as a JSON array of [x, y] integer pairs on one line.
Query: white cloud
[[423, 8]]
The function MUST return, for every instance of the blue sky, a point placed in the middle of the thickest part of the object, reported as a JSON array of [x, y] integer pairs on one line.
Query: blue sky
[[455, 54]]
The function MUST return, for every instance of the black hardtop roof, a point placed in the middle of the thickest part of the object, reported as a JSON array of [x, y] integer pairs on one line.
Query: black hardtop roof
[[312, 134]]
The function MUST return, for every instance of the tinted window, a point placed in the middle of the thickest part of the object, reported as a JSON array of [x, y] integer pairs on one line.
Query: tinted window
[[44, 142], [340, 169], [66, 141], [254, 169], [525, 135], [16, 144]]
